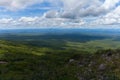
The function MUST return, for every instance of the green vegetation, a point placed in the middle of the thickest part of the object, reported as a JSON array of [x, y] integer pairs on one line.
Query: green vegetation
[[93, 46], [73, 62], [60, 56]]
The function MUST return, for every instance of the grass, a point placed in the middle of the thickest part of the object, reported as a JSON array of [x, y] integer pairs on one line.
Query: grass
[[93, 46]]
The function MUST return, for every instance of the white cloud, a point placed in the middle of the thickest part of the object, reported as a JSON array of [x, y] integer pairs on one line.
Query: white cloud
[[51, 14], [71, 14], [18, 4], [83, 8], [28, 19], [70, 8], [108, 4], [112, 18], [40, 22], [6, 20], [14, 5]]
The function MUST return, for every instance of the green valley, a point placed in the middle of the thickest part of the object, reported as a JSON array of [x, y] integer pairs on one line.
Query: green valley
[[56, 57]]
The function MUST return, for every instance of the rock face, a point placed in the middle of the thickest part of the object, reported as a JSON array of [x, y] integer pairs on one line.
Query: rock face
[[104, 65]]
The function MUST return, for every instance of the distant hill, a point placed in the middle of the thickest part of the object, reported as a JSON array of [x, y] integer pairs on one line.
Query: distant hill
[[61, 31]]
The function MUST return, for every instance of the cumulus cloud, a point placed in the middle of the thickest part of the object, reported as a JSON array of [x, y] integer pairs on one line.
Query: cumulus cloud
[[71, 13], [5, 21], [41, 22], [108, 4], [83, 8], [112, 18], [51, 14], [28, 19], [69, 9], [18, 4]]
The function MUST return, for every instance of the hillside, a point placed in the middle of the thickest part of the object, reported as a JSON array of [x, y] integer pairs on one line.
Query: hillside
[[25, 62]]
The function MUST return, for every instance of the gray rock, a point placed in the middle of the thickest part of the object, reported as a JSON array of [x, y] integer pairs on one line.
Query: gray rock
[[102, 67], [71, 60], [3, 62]]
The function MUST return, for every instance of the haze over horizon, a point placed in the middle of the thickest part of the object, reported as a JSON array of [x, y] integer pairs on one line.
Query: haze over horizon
[[22, 14]]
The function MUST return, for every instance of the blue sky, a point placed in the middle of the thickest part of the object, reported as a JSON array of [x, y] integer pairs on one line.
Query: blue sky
[[59, 14]]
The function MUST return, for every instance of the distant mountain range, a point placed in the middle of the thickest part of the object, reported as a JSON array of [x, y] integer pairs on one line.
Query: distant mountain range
[[62, 31]]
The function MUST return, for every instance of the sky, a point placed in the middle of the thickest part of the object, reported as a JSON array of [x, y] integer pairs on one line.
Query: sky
[[59, 14]]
